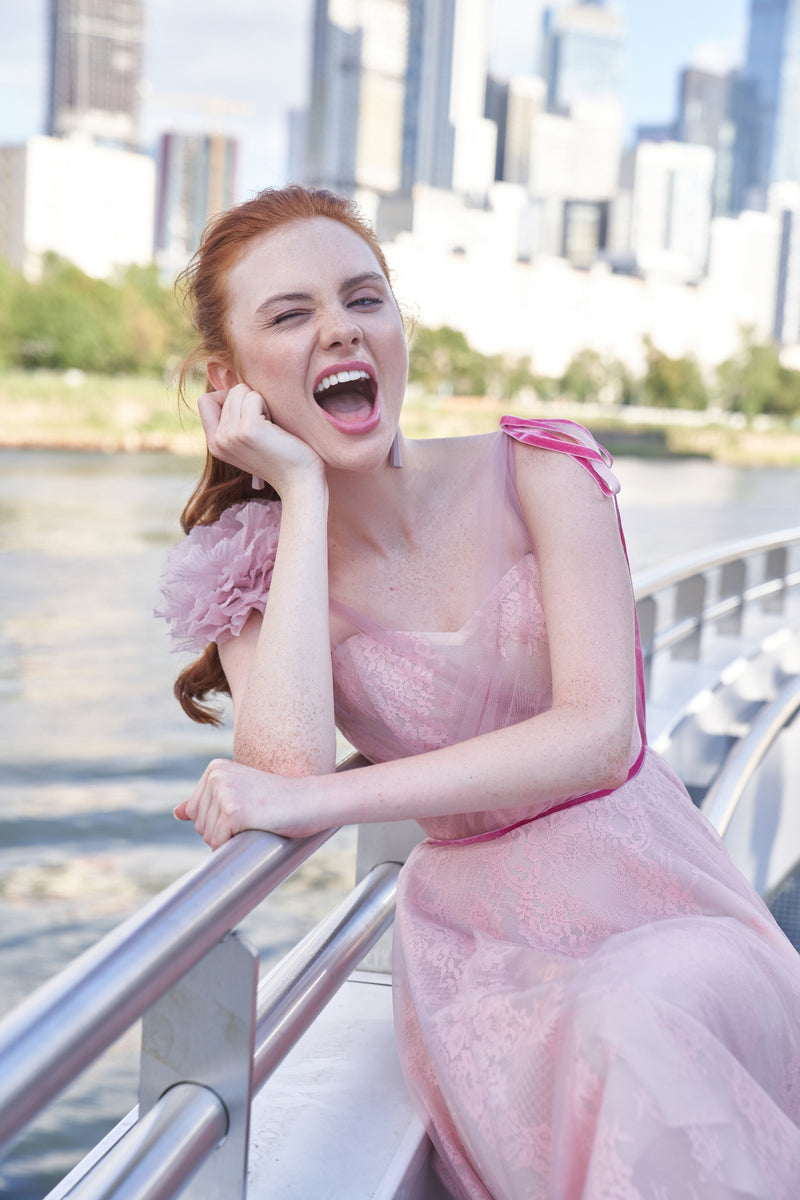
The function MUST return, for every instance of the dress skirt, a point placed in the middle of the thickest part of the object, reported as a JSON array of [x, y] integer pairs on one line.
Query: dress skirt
[[581, 1007]]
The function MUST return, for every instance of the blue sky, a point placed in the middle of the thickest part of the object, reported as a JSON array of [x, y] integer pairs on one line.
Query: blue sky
[[256, 53]]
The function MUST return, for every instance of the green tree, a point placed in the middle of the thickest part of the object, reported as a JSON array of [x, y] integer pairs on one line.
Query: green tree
[[755, 381], [67, 319], [442, 360], [517, 376], [585, 376], [9, 282], [673, 382]]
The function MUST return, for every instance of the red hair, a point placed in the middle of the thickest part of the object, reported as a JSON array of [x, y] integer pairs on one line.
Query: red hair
[[204, 284]]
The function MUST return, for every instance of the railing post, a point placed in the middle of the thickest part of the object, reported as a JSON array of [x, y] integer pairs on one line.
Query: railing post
[[775, 571], [646, 614], [203, 1031], [690, 597], [733, 581]]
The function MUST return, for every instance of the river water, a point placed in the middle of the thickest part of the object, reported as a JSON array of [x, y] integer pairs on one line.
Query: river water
[[95, 753]]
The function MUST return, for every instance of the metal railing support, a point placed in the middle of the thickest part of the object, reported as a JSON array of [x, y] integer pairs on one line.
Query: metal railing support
[[290, 997], [203, 1030], [68, 1022], [775, 572], [689, 606], [162, 1151], [293, 994], [728, 788], [733, 582], [689, 578]]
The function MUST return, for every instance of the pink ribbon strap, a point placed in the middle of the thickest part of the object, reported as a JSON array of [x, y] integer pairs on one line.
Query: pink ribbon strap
[[569, 438]]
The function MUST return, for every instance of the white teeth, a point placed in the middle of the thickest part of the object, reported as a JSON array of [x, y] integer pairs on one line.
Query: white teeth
[[341, 377]]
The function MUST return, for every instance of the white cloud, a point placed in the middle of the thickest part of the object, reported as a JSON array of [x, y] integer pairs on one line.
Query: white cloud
[[715, 57]]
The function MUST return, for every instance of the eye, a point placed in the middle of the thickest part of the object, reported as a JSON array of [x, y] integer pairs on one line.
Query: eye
[[366, 302], [283, 317]]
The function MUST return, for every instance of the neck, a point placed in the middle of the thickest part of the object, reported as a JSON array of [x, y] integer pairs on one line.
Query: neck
[[376, 508]]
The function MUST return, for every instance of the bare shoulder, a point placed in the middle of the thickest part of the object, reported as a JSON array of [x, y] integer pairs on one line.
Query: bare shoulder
[[551, 482]]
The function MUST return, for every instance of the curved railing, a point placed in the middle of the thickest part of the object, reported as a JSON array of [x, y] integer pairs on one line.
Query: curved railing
[[747, 755], [67, 1023], [713, 589]]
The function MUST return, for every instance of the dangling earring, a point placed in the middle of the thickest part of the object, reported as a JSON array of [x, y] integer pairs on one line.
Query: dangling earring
[[395, 454]]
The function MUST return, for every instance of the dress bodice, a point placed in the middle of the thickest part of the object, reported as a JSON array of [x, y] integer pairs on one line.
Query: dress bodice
[[401, 692]]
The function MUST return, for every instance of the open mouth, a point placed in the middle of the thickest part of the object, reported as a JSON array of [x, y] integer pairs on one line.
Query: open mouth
[[347, 397]]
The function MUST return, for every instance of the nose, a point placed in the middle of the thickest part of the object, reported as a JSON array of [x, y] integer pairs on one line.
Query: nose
[[340, 328]]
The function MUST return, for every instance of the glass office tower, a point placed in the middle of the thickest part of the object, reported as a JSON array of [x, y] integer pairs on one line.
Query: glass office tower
[[96, 69], [768, 112], [583, 51]]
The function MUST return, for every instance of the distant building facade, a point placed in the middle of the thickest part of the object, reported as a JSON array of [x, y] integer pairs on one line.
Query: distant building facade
[[397, 98], [706, 118], [95, 70], [670, 217], [583, 53], [196, 178], [783, 200], [447, 140], [768, 103], [90, 204], [354, 131]]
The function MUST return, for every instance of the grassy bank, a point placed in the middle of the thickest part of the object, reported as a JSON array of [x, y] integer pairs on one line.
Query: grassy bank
[[74, 411]]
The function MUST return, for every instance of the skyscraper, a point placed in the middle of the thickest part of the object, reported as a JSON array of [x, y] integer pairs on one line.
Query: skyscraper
[[354, 132], [705, 118], [768, 117], [95, 69], [397, 97], [196, 178], [447, 141], [583, 48]]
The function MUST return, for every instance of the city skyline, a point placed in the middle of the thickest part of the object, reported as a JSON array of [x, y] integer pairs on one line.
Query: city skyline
[[205, 72]]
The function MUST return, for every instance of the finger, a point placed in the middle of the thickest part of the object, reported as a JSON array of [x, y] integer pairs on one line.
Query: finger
[[254, 404], [187, 810], [221, 833], [209, 407]]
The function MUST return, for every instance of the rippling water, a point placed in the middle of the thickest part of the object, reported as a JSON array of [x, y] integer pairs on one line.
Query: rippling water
[[95, 753]]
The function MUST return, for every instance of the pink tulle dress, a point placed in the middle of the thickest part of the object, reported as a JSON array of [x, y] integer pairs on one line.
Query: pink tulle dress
[[591, 1003]]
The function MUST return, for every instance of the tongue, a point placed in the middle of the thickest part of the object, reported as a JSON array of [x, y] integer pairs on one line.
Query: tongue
[[347, 406]]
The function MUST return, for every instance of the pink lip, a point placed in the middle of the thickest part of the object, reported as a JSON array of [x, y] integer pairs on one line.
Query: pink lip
[[355, 365], [353, 427]]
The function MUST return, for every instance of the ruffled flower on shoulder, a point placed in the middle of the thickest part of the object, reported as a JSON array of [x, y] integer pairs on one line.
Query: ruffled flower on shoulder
[[219, 574]]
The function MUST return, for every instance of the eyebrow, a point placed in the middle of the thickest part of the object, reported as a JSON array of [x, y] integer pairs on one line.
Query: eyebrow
[[293, 297]]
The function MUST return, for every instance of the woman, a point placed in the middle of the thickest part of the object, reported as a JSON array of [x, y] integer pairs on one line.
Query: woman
[[591, 1001]]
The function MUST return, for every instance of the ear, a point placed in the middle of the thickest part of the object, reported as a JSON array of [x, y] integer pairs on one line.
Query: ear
[[222, 376]]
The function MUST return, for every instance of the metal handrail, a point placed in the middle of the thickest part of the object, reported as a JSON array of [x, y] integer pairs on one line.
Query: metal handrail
[[658, 579], [69, 1021], [747, 755], [163, 1150], [686, 577], [295, 992], [678, 632]]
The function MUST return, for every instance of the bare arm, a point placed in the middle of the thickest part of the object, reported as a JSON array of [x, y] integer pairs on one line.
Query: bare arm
[[581, 744], [279, 668]]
